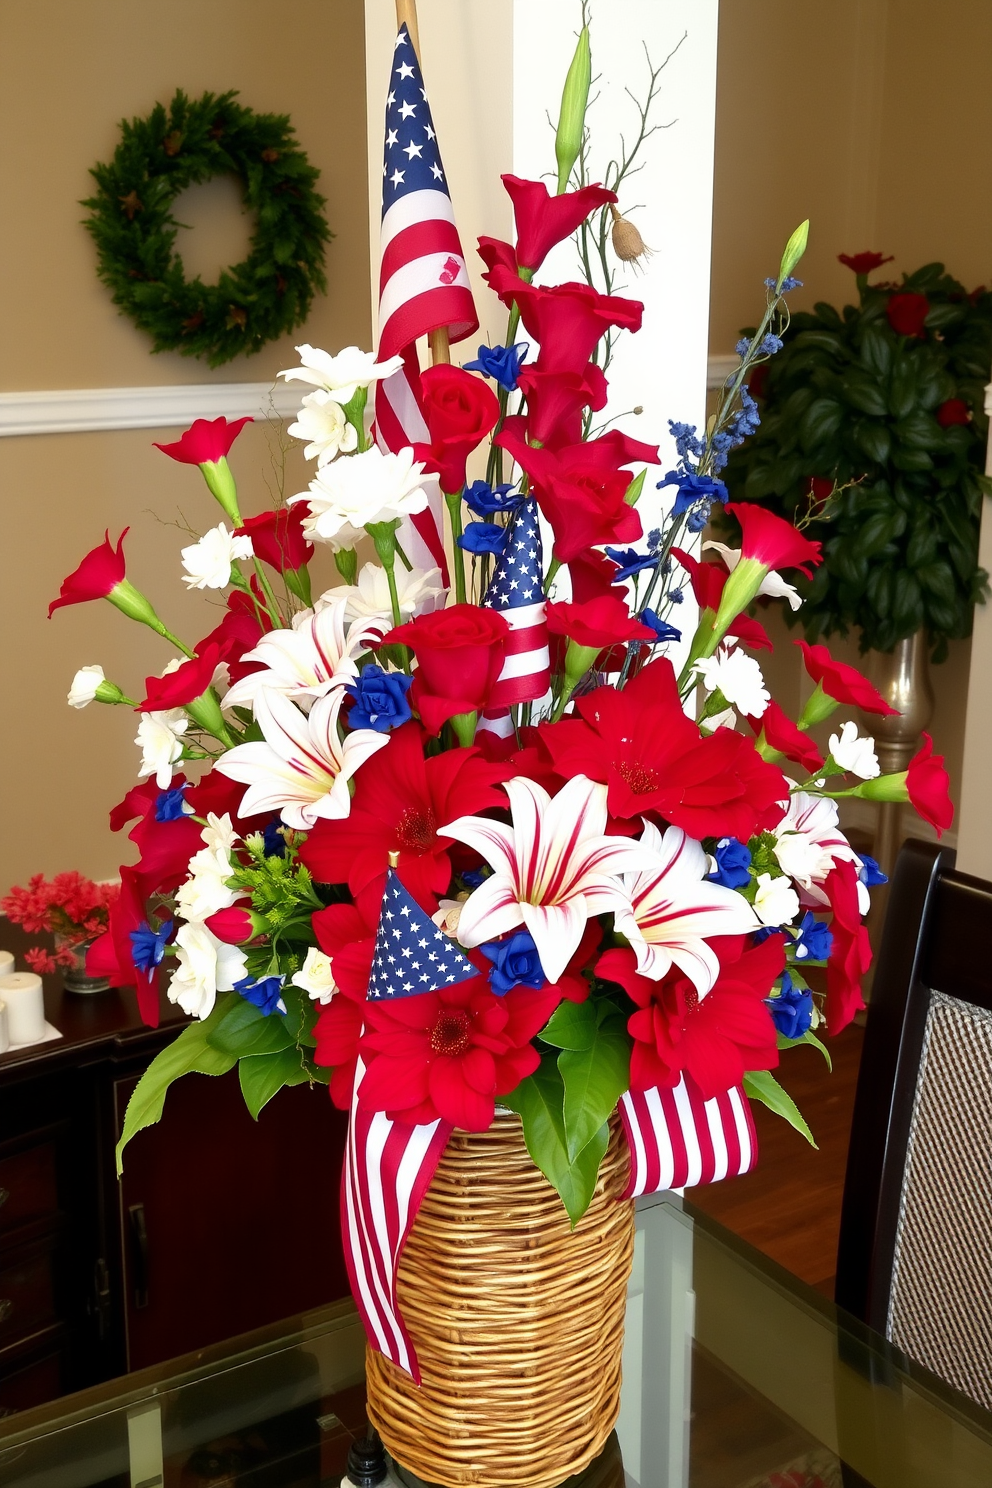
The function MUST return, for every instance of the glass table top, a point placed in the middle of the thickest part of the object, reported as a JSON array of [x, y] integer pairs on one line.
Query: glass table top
[[736, 1375]]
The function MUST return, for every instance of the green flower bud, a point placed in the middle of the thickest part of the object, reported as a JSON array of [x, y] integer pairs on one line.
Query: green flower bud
[[572, 118]]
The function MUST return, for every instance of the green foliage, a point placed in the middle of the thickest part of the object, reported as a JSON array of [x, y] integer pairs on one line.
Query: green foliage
[[132, 224], [540, 1100], [263, 1075], [851, 400], [761, 1085]]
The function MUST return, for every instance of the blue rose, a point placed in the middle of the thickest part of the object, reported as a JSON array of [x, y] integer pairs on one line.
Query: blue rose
[[871, 874], [266, 995], [169, 805], [515, 963], [483, 537], [501, 363], [473, 877], [630, 562], [733, 859], [792, 1010], [661, 628], [148, 946], [693, 487], [380, 699], [487, 501], [813, 940]]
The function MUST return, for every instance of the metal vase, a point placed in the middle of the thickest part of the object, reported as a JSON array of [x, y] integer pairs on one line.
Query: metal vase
[[902, 677]]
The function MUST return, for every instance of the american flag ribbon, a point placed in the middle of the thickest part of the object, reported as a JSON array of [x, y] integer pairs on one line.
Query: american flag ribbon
[[516, 591], [423, 281], [679, 1140]]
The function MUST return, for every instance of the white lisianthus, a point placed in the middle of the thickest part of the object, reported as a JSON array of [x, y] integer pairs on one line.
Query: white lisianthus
[[776, 901], [206, 966], [420, 591], [853, 752], [208, 562], [159, 738], [371, 487], [738, 677], [205, 891], [84, 686], [315, 977], [218, 834], [343, 374], [322, 423], [772, 584]]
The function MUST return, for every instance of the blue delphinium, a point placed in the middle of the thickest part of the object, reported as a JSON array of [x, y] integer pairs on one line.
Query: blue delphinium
[[676, 596], [792, 1010], [693, 487], [379, 699], [483, 537], [515, 963], [698, 517], [733, 859], [661, 628], [148, 946], [870, 874], [630, 561], [487, 501], [813, 939], [770, 344], [501, 363], [273, 840], [169, 804], [687, 442], [266, 994], [742, 347], [787, 284]]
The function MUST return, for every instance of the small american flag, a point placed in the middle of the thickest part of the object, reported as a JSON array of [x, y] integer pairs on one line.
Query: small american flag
[[423, 281], [679, 1140], [516, 591], [411, 954]]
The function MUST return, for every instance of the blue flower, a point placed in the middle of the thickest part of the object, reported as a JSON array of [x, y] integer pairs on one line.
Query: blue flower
[[515, 963], [814, 940], [792, 1010], [630, 561], [733, 859], [487, 502], [148, 945], [661, 628], [473, 877], [687, 441], [676, 596], [380, 699], [770, 345], [483, 537], [266, 994], [169, 805], [787, 284], [692, 488], [743, 347], [698, 517], [871, 874], [502, 363], [273, 840], [654, 539]]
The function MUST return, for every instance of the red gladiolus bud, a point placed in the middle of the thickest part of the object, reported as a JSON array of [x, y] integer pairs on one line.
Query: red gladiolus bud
[[907, 313], [205, 442], [842, 683], [863, 263], [96, 577], [277, 538], [954, 411], [234, 926]]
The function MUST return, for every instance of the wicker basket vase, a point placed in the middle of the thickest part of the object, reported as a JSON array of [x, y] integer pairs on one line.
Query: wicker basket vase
[[516, 1318]]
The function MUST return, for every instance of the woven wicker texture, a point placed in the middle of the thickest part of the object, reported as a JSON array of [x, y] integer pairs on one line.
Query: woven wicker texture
[[516, 1318], [940, 1310]]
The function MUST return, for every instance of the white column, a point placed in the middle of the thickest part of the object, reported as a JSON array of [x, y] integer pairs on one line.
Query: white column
[[975, 824]]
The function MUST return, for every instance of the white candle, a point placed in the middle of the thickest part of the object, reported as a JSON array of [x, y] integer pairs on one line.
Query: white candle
[[22, 992], [6, 963], [4, 1036]]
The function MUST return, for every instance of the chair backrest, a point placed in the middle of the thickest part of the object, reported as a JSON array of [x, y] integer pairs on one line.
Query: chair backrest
[[915, 1253]]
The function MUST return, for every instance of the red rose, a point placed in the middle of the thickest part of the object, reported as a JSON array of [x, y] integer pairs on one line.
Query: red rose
[[277, 538], [771, 541], [180, 687], [708, 581], [843, 683], [926, 782], [568, 320], [96, 577], [205, 442], [597, 623], [460, 411], [459, 655], [907, 313], [954, 411], [555, 401], [863, 263], [542, 220]]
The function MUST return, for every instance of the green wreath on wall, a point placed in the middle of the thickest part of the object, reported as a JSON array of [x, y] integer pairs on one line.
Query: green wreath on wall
[[131, 221]]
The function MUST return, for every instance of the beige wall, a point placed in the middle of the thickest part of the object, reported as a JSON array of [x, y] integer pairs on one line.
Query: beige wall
[[68, 73]]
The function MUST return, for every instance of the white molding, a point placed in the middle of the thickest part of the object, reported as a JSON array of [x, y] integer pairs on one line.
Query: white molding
[[719, 368], [84, 410]]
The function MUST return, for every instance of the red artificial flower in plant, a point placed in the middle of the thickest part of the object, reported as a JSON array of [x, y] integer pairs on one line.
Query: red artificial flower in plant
[[460, 411], [597, 623], [820, 488], [850, 949], [927, 782], [781, 734], [569, 320], [459, 655], [843, 683], [555, 401], [277, 538], [708, 581], [773, 543], [205, 442], [864, 263], [953, 411], [99, 574], [182, 686], [907, 313], [542, 220], [757, 380]]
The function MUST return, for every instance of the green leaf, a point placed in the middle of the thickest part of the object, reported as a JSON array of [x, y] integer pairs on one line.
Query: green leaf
[[809, 1037], [862, 392], [820, 422], [873, 440], [876, 352], [539, 1101], [262, 1075], [594, 1079], [246, 1030], [761, 1085], [572, 1025]]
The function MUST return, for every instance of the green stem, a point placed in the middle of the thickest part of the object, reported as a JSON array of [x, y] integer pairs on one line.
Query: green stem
[[403, 558], [270, 599], [394, 598], [453, 501]]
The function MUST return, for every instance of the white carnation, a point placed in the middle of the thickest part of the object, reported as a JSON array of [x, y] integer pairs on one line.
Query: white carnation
[[84, 686], [343, 374], [738, 677], [419, 591], [853, 752], [159, 738], [322, 423], [208, 562], [346, 496], [776, 901]]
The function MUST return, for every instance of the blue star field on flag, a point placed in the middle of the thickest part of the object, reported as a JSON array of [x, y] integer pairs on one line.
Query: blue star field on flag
[[412, 160], [411, 954], [519, 575]]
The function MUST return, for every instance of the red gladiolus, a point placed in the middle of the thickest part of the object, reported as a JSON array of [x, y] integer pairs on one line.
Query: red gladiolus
[[927, 782], [459, 655], [96, 577], [112, 954], [460, 411], [708, 581], [569, 320], [347, 935], [864, 263], [954, 411], [277, 538], [205, 442], [781, 734], [772, 542], [543, 220], [180, 687], [495, 253], [907, 313], [555, 401], [597, 623], [165, 847], [843, 683], [850, 951]]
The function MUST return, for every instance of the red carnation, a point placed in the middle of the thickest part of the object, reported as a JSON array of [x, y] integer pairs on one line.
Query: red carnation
[[543, 220], [240, 631], [843, 683], [850, 950], [864, 263], [555, 401], [597, 623], [708, 581], [205, 442], [772, 542], [781, 734], [459, 655], [954, 411], [927, 782], [568, 320], [96, 577], [460, 411], [277, 538], [907, 313], [180, 687]]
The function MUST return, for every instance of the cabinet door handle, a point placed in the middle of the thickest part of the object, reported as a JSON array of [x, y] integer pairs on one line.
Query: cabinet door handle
[[6, 1308], [139, 1255]]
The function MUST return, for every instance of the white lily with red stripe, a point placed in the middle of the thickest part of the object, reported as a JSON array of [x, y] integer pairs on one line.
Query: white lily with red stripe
[[554, 867], [318, 654], [672, 910], [303, 768]]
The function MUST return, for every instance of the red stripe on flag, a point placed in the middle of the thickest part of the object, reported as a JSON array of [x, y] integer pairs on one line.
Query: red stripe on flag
[[429, 311], [422, 238], [678, 1139]]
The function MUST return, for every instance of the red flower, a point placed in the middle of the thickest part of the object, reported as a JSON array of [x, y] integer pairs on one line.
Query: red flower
[[400, 799], [863, 263], [165, 847], [843, 683], [223, 796], [569, 320], [820, 488], [234, 926], [205, 442], [597, 623], [111, 955], [542, 220], [771, 541], [850, 951], [926, 781], [716, 1038], [954, 411], [277, 538], [907, 313], [555, 401], [347, 936], [781, 733], [640, 743], [460, 411], [459, 655], [180, 687], [708, 581], [449, 1054], [495, 253], [240, 630], [96, 577]]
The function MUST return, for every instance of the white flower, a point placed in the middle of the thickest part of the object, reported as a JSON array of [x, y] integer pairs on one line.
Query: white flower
[[810, 842], [772, 584], [371, 487], [322, 422], [208, 562], [776, 901], [218, 834], [206, 966], [159, 738], [84, 686], [802, 858], [738, 677], [206, 890], [308, 660], [726, 719], [853, 752], [420, 591], [315, 977], [448, 914], [343, 374]]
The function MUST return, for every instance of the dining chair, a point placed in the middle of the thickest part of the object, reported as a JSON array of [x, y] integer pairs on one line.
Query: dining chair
[[915, 1254]]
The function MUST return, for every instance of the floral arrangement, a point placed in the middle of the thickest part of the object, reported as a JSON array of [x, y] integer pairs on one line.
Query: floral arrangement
[[72, 908], [873, 435]]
